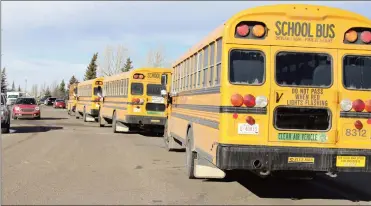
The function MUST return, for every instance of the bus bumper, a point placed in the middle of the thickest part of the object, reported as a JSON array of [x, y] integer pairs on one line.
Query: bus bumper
[[94, 112], [145, 120], [229, 157]]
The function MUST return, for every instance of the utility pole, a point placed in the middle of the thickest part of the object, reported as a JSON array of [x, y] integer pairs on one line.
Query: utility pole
[[25, 87]]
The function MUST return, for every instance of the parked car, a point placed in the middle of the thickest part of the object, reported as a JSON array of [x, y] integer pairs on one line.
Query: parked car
[[50, 101], [59, 103], [42, 100], [5, 115], [26, 107]]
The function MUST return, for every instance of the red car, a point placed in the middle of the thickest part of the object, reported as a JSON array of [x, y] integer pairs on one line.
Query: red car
[[59, 103], [26, 107]]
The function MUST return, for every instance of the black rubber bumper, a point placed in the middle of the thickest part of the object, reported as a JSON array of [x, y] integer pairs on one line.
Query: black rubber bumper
[[94, 112], [231, 157], [134, 119]]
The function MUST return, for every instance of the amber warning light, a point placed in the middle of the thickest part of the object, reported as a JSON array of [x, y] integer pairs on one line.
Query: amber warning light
[[138, 76], [99, 83], [359, 36]]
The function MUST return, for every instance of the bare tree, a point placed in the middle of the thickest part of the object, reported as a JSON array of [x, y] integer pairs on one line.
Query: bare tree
[[34, 90], [54, 89], [156, 57], [43, 89], [112, 60]]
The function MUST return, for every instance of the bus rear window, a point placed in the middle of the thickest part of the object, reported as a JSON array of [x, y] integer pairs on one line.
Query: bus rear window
[[98, 91], [246, 67], [154, 89], [357, 72], [303, 69], [136, 88]]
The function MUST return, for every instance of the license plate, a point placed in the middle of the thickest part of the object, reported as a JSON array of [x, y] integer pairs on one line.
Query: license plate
[[136, 109], [300, 160], [244, 128], [158, 100], [350, 161]]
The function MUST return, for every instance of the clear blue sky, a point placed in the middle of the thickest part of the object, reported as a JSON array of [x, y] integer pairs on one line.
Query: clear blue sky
[[51, 41]]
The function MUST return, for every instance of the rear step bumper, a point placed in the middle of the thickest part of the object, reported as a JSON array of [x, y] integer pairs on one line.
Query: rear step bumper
[[230, 157]]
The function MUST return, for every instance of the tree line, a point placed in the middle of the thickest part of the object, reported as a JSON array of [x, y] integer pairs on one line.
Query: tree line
[[113, 61]]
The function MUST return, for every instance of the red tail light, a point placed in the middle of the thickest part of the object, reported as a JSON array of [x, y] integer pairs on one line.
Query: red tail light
[[358, 124], [135, 100], [369, 121], [366, 37], [237, 100], [368, 105], [358, 105], [235, 116], [249, 100], [250, 120], [243, 30]]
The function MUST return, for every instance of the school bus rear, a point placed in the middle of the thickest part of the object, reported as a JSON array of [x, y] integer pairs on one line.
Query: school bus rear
[[296, 83], [72, 98], [148, 108]]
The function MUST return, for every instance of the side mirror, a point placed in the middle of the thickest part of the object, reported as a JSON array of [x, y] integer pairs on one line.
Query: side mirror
[[163, 92]]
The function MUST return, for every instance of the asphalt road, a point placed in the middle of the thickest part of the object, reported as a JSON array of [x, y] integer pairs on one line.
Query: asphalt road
[[61, 160]]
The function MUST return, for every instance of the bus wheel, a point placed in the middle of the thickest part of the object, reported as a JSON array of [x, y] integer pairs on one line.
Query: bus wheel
[[84, 115], [114, 122], [190, 155]]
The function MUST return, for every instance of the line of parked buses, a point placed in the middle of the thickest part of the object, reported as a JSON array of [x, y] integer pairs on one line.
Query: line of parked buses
[[275, 89]]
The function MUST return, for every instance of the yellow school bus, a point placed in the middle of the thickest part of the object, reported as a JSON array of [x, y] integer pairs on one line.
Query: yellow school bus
[[72, 99], [133, 101], [276, 88], [89, 94]]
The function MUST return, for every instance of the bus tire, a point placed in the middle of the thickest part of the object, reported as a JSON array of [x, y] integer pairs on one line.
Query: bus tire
[[190, 155], [114, 122], [84, 115]]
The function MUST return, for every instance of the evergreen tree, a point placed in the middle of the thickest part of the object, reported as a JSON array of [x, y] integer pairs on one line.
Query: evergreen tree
[[4, 84], [47, 92], [91, 70], [62, 89], [72, 80], [127, 66], [19, 88], [13, 87]]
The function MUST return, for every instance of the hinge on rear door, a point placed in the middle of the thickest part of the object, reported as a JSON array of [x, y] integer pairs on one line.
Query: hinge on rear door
[[336, 136]]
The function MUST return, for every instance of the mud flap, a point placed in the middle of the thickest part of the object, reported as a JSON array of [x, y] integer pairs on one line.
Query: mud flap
[[90, 118], [204, 169], [121, 127]]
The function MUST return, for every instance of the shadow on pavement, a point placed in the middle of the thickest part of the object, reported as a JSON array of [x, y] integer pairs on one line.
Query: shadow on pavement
[[53, 118], [150, 134], [34, 129], [281, 188]]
